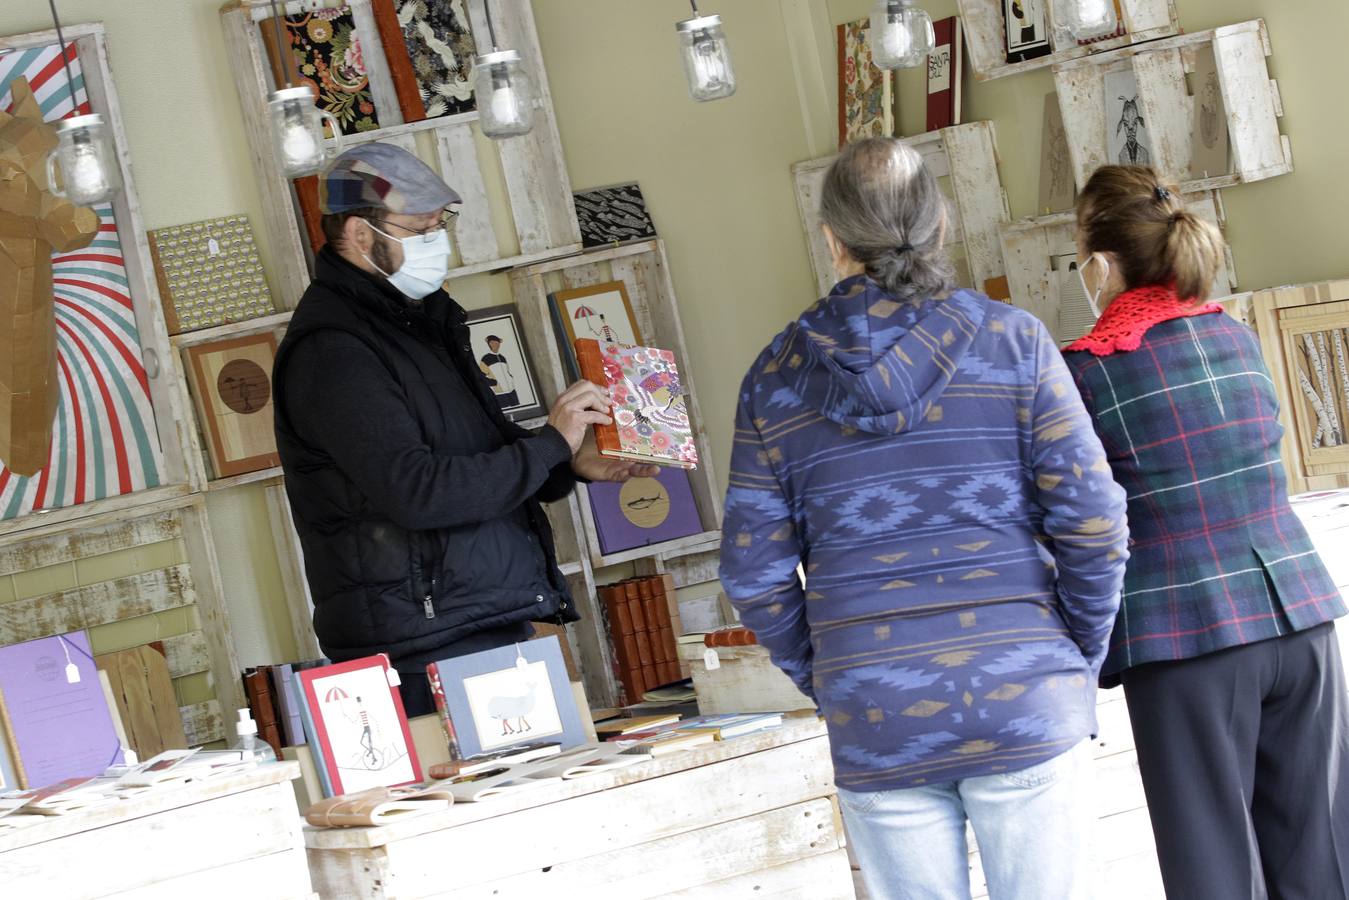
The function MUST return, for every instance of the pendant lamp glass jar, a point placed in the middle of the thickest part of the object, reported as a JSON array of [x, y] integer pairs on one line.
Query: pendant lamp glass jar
[[505, 94], [901, 34], [707, 58], [1087, 20], [87, 162], [297, 130]]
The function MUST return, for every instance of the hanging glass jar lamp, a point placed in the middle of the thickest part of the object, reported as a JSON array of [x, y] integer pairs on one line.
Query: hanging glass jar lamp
[[503, 90], [1087, 20], [901, 34], [297, 130], [707, 57], [89, 170]]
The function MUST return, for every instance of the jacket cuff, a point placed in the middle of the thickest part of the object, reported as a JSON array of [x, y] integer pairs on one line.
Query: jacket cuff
[[552, 447]]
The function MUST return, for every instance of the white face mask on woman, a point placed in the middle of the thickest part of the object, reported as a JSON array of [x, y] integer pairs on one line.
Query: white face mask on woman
[[1094, 299], [426, 262]]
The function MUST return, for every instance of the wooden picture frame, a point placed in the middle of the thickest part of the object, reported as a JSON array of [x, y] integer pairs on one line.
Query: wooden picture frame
[[605, 302], [508, 367], [232, 387]]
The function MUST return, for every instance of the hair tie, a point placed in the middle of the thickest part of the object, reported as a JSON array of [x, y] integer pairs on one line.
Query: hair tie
[[905, 248], [1163, 194]]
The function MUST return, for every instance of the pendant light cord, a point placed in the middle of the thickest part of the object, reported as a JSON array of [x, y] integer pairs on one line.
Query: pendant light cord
[[60, 39], [491, 30], [694, 4], [280, 53]]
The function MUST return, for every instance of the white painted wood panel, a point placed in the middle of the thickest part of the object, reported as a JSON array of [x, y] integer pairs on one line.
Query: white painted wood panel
[[26, 553], [96, 604], [473, 232], [1168, 110], [1252, 106], [972, 159], [824, 877]]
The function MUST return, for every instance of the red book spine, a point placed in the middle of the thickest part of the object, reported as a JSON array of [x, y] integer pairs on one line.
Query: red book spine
[[590, 361], [438, 695]]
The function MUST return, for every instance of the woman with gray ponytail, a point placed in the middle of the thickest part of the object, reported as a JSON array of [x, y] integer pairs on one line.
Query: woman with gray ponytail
[[917, 452], [1224, 644]]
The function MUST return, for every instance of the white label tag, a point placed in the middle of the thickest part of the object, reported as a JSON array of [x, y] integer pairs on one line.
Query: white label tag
[[939, 70], [394, 678], [213, 247], [711, 659], [72, 673], [521, 663]]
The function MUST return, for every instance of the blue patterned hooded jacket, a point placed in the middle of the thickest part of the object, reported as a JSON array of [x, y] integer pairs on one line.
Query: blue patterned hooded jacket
[[931, 469]]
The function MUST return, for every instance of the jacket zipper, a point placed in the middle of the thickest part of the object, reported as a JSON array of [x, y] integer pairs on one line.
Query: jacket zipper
[[428, 603]]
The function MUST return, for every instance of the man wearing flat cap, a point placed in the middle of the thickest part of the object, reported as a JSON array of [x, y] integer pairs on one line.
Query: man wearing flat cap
[[417, 502]]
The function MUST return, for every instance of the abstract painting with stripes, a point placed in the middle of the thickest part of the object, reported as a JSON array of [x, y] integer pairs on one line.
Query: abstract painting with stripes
[[104, 443]]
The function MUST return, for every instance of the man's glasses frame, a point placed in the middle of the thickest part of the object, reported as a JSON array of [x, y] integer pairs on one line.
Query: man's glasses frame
[[429, 233]]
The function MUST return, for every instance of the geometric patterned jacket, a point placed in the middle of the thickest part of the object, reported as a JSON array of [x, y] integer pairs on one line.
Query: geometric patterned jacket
[[933, 473], [1190, 423]]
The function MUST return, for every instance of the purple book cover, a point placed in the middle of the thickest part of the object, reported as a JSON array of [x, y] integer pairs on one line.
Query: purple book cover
[[644, 511], [62, 729]]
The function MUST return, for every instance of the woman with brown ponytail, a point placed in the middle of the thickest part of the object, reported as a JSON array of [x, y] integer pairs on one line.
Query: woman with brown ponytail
[[1224, 640]]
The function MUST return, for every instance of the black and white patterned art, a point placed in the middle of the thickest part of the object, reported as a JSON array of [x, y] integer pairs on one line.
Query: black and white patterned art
[[613, 215]]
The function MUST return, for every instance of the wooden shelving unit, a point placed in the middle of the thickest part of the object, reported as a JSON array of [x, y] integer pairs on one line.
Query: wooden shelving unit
[[1250, 98], [986, 42], [967, 155]]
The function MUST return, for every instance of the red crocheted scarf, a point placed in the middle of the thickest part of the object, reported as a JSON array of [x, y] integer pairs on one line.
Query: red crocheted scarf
[[1128, 317]]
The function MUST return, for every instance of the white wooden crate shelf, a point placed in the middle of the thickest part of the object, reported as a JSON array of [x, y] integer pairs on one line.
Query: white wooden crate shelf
[[1250, 98], [986, 42], [968, 155]]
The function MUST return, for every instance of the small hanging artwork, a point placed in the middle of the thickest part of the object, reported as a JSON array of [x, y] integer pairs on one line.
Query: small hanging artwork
[[232, 384], [644, 511], [1209, 143], [601, 312], [209, 274], [430, 50], [613, 215], [865, 91], [498, 342], [1126, 131], [325, 52], [1027, 29]]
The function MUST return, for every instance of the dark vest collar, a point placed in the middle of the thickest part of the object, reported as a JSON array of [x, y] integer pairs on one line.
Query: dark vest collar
[[372, 291]]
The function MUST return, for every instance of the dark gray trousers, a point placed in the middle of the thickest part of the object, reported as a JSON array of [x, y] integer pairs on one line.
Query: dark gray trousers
[[1245, 761]]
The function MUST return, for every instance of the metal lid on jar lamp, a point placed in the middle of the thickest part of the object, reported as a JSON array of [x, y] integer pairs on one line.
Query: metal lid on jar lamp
[[496, 57], [303, 92], [77, 122], [701, 23]]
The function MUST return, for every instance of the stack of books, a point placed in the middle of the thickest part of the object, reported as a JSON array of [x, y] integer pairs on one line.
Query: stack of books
[[643, 633]]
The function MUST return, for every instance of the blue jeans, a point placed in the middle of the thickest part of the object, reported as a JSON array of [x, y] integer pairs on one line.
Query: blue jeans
[[1034, 829]]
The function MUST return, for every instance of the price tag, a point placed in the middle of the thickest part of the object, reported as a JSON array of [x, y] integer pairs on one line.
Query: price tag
[[213, 247], [521, 663], [711, 659], [394, 678], [72, 673]]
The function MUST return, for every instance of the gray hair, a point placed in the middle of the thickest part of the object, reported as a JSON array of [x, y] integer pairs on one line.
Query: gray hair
[[885, 207]]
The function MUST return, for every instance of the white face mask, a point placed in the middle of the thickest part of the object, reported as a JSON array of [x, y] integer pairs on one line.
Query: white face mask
[[426, 262], [1094, 299]]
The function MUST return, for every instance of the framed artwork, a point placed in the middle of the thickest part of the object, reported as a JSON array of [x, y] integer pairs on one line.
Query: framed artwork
[[601, 312], [232, 385], [1126, 132], [360, 724], [644, 511], [1210, 138], [324, 50], [209, 274], [613, 215], [1027, 29], [512, 695], [430, 50], [865, 91], [498, 342], [1058, 189]]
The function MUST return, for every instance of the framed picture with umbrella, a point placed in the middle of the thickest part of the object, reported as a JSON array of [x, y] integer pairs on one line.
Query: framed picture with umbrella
[[600, 311]]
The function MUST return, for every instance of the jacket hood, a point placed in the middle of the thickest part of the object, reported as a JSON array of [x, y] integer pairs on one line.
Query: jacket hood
[[867, 361]]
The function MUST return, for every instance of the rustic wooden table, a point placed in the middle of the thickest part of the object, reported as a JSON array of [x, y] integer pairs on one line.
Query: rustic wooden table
[[755, 816]]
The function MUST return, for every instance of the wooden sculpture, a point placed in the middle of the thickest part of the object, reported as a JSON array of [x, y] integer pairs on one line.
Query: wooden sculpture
[[33, 225]]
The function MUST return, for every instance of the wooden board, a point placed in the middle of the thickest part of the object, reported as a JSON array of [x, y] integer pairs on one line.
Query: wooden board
[[202, 723], [96, 604], [143, 691], [824, 877], [27, 552]]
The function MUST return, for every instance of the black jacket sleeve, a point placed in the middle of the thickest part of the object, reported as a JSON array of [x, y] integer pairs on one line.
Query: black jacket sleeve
[[343, 401]]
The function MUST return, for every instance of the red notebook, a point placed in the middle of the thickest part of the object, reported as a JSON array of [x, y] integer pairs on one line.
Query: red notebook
[[944, 66], [651, 421]]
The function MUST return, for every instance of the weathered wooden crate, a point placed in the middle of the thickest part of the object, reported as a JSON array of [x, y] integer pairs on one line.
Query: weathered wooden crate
[[733, 819], [1250, 98], [1029, 247], [986, 35], [540, 212], [1315, 444], [237, 833], [743, 681], [968, 155], [193, 586]]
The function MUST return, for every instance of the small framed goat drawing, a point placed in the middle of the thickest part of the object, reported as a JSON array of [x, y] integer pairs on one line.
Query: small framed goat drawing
[[513, 695]]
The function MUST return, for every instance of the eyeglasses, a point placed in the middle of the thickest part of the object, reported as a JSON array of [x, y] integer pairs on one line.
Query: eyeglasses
[[428, 233]]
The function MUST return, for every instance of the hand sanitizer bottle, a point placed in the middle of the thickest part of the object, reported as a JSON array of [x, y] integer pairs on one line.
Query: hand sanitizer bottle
[[254, 748]]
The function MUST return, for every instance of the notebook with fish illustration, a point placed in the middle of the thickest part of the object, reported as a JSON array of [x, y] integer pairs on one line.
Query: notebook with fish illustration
[[651, 421]]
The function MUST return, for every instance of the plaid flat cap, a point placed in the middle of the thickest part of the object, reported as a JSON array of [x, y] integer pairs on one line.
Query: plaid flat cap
[[385, 177]]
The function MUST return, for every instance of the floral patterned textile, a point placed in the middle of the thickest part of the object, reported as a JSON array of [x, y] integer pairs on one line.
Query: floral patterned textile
[[865, 107], [325, 51], [441, 48], [648, 399]]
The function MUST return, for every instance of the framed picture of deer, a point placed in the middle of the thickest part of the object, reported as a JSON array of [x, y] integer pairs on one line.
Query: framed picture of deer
[[507, 697]]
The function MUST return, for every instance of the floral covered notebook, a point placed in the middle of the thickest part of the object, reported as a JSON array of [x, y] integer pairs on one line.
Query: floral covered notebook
[[651, 421]]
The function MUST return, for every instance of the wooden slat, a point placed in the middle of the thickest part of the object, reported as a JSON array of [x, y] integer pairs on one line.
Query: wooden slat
[[1168, 110], [141, 722], [682, 861], [96, 604], [809, 179], [186, 654], [276, 876], [473, 232], [972, 158], [382, 91], [1081, 91], [824, 877], [213, 613], [202, 723], [123, 534], [1257, 147]]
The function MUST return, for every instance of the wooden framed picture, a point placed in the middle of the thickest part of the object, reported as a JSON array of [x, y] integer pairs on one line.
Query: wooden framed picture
[[498, 342], [361, 728], [232, 386], [601, 312], [1027, 29], [518, 694]]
